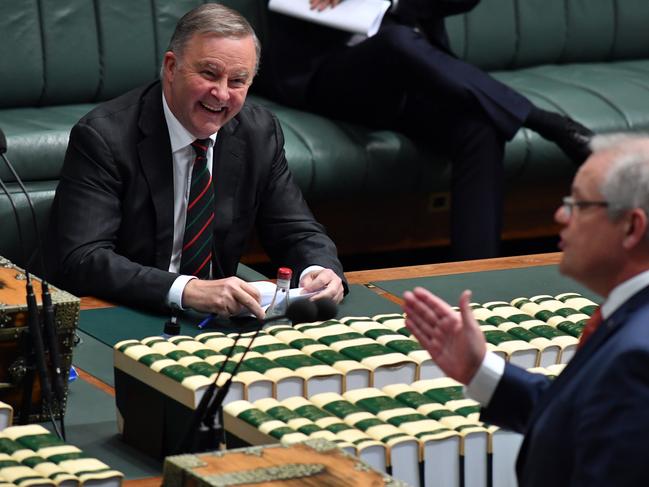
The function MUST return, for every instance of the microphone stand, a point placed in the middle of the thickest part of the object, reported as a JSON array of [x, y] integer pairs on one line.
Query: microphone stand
[[36, 353], [32, 311], [204, 423], [188, 441], [210, 424]]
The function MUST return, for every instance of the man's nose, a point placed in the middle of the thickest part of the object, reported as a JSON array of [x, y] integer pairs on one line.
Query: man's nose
[[220, 90], [562, 215]]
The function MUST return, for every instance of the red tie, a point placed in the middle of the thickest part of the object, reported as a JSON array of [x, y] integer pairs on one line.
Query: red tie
[[591, 325], [197, 241]]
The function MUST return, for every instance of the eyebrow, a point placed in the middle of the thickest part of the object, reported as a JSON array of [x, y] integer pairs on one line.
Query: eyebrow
[[220, 69]]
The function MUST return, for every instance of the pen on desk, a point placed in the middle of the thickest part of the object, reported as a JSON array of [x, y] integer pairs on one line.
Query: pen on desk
[[206, 321]]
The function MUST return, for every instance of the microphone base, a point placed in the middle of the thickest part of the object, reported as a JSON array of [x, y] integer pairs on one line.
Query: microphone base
[[207, 439]]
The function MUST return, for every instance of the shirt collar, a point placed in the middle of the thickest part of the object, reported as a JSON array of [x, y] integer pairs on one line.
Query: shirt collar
[[621, 293], [179, 136]]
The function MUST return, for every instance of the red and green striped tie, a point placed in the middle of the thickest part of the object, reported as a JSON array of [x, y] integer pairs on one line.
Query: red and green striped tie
[[197, 241]]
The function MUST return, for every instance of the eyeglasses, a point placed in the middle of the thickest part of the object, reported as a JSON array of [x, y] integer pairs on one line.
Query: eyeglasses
[[569, 203]]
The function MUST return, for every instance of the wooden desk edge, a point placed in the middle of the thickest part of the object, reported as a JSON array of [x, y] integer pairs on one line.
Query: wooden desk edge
[[448, 268]]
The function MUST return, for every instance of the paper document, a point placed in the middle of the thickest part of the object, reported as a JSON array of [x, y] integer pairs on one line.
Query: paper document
[[267, 291], [357, 16]]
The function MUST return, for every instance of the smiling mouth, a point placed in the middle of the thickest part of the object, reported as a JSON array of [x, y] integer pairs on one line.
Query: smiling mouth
[[212, 109]]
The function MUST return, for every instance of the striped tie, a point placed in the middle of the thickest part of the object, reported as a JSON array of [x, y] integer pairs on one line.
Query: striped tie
[[197, 241]]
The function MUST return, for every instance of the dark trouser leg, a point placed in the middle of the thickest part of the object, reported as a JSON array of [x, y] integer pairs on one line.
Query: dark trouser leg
[[477, 189], [476, 150], [372, 84], [366, 82]]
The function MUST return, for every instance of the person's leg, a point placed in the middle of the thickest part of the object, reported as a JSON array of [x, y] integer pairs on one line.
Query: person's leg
[[370, 88], [366, 82], [476, 150], [477, 188]]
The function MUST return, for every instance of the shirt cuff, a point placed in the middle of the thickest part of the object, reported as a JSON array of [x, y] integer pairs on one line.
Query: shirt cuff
[[311, 268], [175, 294], [486, 379]]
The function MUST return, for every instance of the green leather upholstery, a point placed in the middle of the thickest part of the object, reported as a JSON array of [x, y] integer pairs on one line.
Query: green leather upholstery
[[372, 189]]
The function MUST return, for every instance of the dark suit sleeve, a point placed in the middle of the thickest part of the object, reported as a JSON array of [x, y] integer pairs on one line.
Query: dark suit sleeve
[[287, 228], [514, 399], [85, 222], [612, 425]]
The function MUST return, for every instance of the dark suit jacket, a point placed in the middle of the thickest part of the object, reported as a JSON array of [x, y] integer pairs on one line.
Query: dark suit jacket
[[590, 426], [111, 226]]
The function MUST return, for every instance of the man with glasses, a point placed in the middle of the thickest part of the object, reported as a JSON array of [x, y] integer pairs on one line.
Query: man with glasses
[[589, 426]]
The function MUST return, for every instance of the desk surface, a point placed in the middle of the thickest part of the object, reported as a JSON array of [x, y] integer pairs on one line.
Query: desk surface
[[94, 358]]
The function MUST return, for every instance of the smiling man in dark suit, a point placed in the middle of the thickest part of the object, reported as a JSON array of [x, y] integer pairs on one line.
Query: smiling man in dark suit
[[162, 186], [589, 426]]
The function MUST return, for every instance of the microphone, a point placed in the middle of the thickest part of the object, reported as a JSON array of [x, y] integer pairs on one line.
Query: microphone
[[300, 311], [306, 311], [32, 308]]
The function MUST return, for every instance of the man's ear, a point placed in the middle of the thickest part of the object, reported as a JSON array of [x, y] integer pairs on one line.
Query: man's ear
[[169, 64], [635, 228]]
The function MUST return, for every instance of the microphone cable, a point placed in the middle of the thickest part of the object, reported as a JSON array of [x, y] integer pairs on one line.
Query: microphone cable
[[48, 309], [32, 321]]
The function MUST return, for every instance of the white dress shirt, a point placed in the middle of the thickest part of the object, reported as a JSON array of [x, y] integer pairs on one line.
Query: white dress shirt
[[183, 155], [485, 381]]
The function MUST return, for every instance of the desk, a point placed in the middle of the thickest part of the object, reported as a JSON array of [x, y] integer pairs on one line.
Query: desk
[[376, 287]]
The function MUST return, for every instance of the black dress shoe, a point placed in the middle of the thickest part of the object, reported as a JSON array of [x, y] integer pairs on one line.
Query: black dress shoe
[[574, 140], [572, 137]]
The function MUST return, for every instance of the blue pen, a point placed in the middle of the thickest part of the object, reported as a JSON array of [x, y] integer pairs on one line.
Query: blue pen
[[206, 321]]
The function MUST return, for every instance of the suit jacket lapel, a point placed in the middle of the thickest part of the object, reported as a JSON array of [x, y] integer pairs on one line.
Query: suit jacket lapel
[[608, 327], [154, 150], [227, 167]]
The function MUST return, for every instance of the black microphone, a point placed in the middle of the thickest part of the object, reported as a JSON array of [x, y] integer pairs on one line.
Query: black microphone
[[306, 311], [300, 311], [32, 309], [327, 309]]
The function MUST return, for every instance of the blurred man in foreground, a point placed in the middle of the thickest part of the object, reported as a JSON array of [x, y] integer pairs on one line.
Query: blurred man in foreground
[[589, 426]]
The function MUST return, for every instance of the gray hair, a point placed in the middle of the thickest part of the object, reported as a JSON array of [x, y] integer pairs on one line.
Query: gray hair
[[626, 184], [212, 18]]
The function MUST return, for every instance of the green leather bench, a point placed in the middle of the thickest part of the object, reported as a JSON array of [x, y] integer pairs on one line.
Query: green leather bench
[[374, 190]]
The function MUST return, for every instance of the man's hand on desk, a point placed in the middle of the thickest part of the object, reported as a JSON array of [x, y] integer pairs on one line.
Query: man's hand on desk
[[326, 282], [224, 297]]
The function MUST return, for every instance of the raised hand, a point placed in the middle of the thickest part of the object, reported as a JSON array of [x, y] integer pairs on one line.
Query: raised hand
[[454, 340]]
